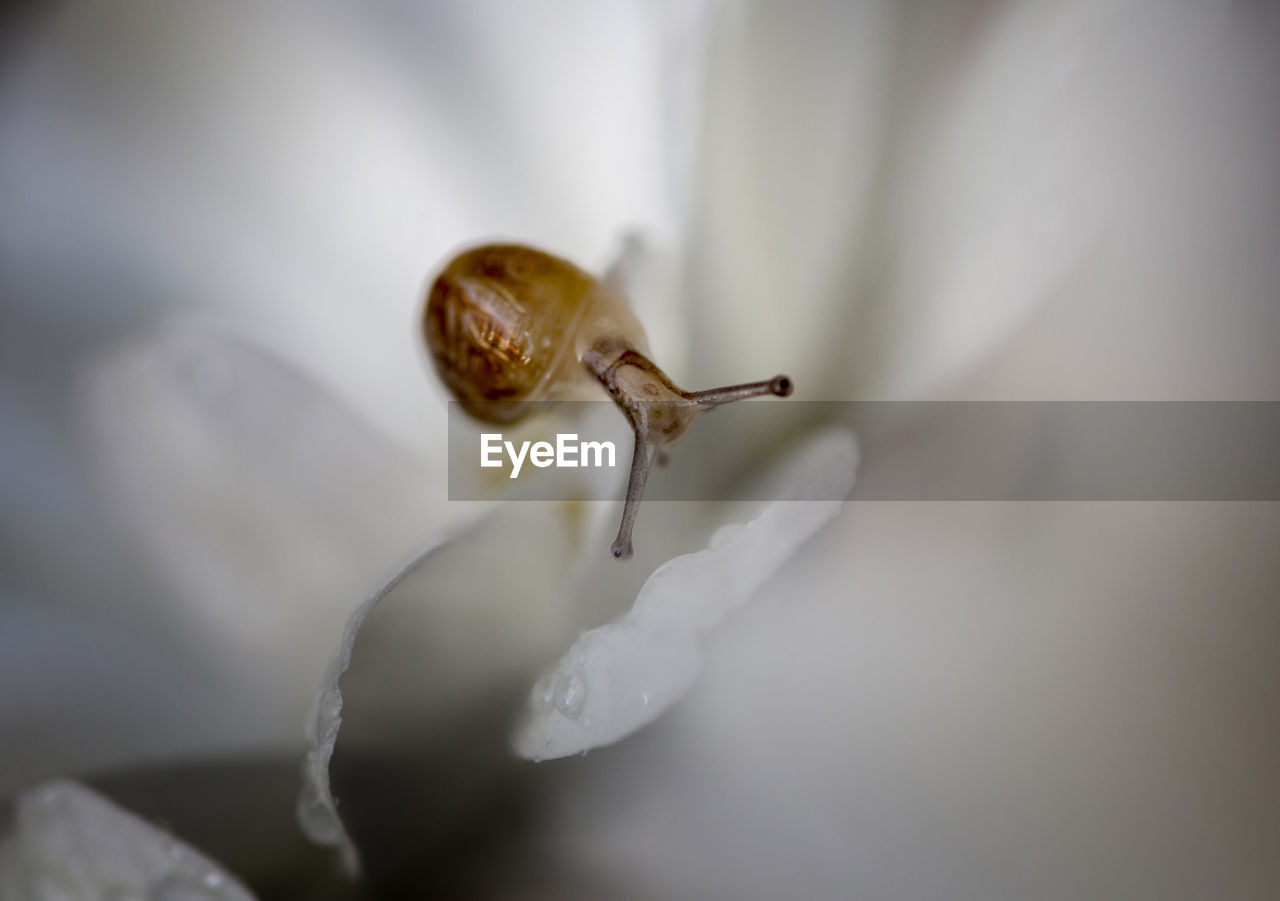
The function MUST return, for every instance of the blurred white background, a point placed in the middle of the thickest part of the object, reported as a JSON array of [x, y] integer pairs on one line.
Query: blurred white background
[[218, 429]]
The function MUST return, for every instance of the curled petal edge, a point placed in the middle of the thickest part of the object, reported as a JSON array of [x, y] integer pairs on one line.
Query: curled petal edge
[[619, 677]]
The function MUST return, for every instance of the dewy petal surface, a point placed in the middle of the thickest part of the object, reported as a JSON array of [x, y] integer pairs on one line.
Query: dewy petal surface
[[621, 676], [71, 844]]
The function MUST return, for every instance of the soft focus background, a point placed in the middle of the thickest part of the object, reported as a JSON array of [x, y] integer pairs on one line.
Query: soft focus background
[[218, 432]]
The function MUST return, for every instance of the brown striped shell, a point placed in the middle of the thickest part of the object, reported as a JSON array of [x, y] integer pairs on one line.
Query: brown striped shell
[[499, 323]]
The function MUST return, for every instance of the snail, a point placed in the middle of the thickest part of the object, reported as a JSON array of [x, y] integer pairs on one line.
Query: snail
[[509, 327]]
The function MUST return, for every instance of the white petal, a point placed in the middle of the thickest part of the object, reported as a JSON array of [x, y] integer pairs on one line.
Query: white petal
[[317, 807], [797, 105], [310, 181], [69, 843], [621, 676], [263, 505], [455, 626], [1036, 142]]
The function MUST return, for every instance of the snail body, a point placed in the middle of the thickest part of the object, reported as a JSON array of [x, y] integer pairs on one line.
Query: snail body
[[508, 327]]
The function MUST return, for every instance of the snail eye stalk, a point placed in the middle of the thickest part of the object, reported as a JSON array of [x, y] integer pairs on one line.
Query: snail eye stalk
[[660, 413]]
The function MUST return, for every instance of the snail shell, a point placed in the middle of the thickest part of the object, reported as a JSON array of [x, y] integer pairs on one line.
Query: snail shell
[[506, 325], [509, 326]]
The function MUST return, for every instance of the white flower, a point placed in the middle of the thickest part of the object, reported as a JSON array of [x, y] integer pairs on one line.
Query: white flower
[[996, 201]]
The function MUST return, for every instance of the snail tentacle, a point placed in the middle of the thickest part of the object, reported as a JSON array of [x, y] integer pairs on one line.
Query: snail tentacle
[[641, 458]]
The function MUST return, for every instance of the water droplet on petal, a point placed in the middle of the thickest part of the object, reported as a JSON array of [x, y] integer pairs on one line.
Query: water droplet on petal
[[570, 694]]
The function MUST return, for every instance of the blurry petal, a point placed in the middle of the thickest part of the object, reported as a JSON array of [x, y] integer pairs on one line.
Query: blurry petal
[[86, 692], [977, 160], [262, 503], [797, 100], [1040, 145], [69, 843], [622, 676], [308, 182]]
